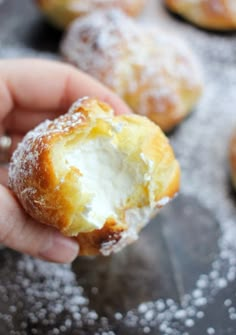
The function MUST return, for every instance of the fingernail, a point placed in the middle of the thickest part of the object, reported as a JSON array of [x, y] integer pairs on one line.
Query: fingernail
[[60, 249]]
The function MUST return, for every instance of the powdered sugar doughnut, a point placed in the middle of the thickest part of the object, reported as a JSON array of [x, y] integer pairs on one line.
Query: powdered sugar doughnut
[[153, 71], [95, 176], [63, 12], [211, 14]]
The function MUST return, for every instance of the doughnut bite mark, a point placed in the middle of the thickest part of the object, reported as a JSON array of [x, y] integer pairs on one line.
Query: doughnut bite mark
[[95, 176], [209, 14], [153, 71], [62, 12]]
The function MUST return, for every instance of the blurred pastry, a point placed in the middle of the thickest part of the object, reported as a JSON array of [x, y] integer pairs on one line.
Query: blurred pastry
[[63, 12], [210, 14], [95, 176], [153, 71]]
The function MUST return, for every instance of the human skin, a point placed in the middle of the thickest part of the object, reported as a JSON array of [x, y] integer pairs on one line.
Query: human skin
[[32, 90]]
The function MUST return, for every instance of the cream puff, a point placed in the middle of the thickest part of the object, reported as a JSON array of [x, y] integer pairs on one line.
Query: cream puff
[[95, 176], [153, 71], [210, 14]]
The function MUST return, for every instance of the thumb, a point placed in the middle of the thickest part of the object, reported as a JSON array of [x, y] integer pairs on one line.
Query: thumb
[[18, 231]]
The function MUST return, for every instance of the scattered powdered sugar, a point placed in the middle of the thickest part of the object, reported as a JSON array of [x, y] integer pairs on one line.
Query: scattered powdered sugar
[[211, 331], [54, 296]]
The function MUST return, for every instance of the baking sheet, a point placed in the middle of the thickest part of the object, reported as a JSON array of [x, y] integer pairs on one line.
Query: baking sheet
[[179, 278]]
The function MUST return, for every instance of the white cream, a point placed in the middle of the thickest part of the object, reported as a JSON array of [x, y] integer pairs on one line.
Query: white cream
[[106, 176]]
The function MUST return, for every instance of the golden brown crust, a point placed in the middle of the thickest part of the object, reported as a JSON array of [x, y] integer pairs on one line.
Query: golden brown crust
[[232, 158], [63, 12], [91, 243], [210, 14], [153, 71], [49, 190]]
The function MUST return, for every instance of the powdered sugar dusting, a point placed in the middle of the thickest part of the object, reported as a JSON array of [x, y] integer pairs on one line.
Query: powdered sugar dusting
[[136, 219], [220, 7], [201, 144], [139, 62], [87, 7], [26, 156]]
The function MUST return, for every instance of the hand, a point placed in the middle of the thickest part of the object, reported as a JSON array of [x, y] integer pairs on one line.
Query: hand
[[30, 92]]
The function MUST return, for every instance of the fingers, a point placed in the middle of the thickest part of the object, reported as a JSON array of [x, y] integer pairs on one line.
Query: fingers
[[33, 84], [18, 231], [6, 104], [45, 87], [22, 120]]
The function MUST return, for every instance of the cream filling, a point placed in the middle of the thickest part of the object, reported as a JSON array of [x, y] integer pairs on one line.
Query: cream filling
[[106, 177]]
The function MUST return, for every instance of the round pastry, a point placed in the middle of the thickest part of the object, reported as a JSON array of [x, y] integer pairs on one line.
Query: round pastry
[[154, 72], [95, 176], [63, 12], [210, 14], [232, 158]]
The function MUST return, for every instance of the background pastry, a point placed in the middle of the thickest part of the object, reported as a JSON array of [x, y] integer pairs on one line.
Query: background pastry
[[63, 12], [211, 14], [232, 158], [95, 176], [153, 71]]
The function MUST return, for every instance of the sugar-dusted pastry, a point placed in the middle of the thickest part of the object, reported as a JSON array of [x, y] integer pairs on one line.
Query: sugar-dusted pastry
[[210, 14], [232, 158], [95, 176], [153, 71], [63, 12]]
